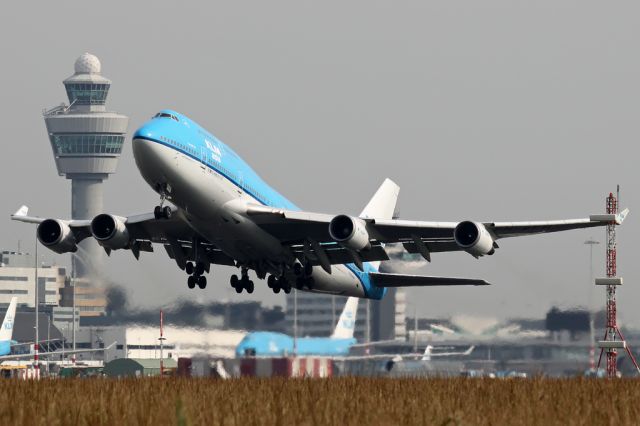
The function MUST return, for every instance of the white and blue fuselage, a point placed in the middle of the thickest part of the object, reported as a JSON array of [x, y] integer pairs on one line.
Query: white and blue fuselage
[[209, 183]]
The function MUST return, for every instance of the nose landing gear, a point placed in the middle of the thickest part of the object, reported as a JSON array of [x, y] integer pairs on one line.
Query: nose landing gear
[[162, 211]]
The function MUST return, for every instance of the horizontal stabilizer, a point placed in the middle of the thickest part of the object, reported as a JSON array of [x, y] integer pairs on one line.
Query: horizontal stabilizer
[[401, 280]]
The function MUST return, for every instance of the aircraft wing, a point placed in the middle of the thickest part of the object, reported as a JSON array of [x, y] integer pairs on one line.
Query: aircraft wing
[[45, 354], [144, 230], [308, 232]]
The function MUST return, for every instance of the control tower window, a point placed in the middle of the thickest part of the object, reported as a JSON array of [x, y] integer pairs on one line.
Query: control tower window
[[69, 144], [87, 93]]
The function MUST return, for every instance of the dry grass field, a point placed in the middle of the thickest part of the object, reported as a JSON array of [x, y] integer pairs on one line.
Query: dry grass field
[[343, 401]]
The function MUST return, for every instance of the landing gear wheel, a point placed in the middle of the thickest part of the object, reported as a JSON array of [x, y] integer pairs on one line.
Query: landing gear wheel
[[202, 281], [166, 212], [234, 281], [272, 282], [238, 289], [287, 289], [308, 269], [249, 287], [191, 281], [310, 283], [157, 212], [189, 268], [276, 290], [199, 268]]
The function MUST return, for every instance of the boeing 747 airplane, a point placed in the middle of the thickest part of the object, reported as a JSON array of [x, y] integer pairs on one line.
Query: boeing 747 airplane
[[223, 213]]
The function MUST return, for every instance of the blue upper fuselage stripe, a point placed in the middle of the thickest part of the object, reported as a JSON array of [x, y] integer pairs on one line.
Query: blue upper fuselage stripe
[[186, 132], [212, 167]]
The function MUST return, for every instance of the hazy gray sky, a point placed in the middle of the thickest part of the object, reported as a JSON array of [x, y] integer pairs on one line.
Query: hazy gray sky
[[492, 110]]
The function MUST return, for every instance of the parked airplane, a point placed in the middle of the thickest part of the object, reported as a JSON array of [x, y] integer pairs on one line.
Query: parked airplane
[[226, 214], [266, 343], [6, 333], [6, 342]]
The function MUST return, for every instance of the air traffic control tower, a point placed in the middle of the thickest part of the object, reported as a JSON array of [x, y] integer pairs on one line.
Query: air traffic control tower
[[87, 141]]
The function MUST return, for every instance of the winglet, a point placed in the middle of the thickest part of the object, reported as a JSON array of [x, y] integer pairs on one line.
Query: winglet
[[22, 211], [621, 216]]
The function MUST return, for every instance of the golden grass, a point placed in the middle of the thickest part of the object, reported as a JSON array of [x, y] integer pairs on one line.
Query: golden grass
[[340, 401]]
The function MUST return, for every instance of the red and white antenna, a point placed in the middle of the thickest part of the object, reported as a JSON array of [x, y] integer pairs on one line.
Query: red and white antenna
[[610, 343]]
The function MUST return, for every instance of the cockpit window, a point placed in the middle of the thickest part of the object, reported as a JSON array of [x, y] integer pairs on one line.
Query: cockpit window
[[165, 115]]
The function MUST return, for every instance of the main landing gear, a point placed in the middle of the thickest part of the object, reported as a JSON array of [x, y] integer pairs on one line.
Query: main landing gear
[[242, 283], [278, 283], [196, 276], [304, 272]]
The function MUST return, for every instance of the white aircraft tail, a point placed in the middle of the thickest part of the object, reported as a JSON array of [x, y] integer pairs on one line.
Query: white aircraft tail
[[347, 322], [427, 353], [6, 333], [383, 203]]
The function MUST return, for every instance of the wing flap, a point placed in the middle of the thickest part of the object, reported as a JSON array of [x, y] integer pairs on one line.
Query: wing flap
[[338, 255]]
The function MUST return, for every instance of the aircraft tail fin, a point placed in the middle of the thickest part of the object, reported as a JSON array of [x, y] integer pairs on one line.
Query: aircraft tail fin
[[347, 322], [382, 205], [6, 332], [427, 353]]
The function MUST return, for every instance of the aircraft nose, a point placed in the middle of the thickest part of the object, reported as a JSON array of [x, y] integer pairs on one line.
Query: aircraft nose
[[146, 131]]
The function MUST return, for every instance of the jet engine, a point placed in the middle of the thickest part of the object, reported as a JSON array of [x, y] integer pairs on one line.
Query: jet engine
[[110, 231], [350, 231], [474, 238], [56, 235]]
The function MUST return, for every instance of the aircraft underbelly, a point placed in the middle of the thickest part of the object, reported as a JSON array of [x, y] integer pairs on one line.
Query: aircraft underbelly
[[203, 193]]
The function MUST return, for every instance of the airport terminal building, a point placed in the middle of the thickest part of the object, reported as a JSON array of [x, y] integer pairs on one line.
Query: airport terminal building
[[18, 278]]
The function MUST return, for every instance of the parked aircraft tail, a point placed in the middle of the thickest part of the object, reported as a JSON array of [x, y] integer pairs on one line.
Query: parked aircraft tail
[[7, 325], [347, 322], [427, 353]]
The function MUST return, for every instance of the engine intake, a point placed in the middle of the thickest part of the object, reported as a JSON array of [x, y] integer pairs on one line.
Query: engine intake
[[110, 231], [474, 238], [350, 231], [56, 236]]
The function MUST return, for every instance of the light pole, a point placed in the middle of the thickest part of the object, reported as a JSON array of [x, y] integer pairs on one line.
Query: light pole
[[295, 322], [592, 350], [37, 339]]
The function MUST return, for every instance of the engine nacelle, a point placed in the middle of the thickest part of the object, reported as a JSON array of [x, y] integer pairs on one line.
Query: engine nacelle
[[56, 235], [350, 231], [474, 238], [110, 231]]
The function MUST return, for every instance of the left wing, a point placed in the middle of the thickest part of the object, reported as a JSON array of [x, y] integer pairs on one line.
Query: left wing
[[309, 233]]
